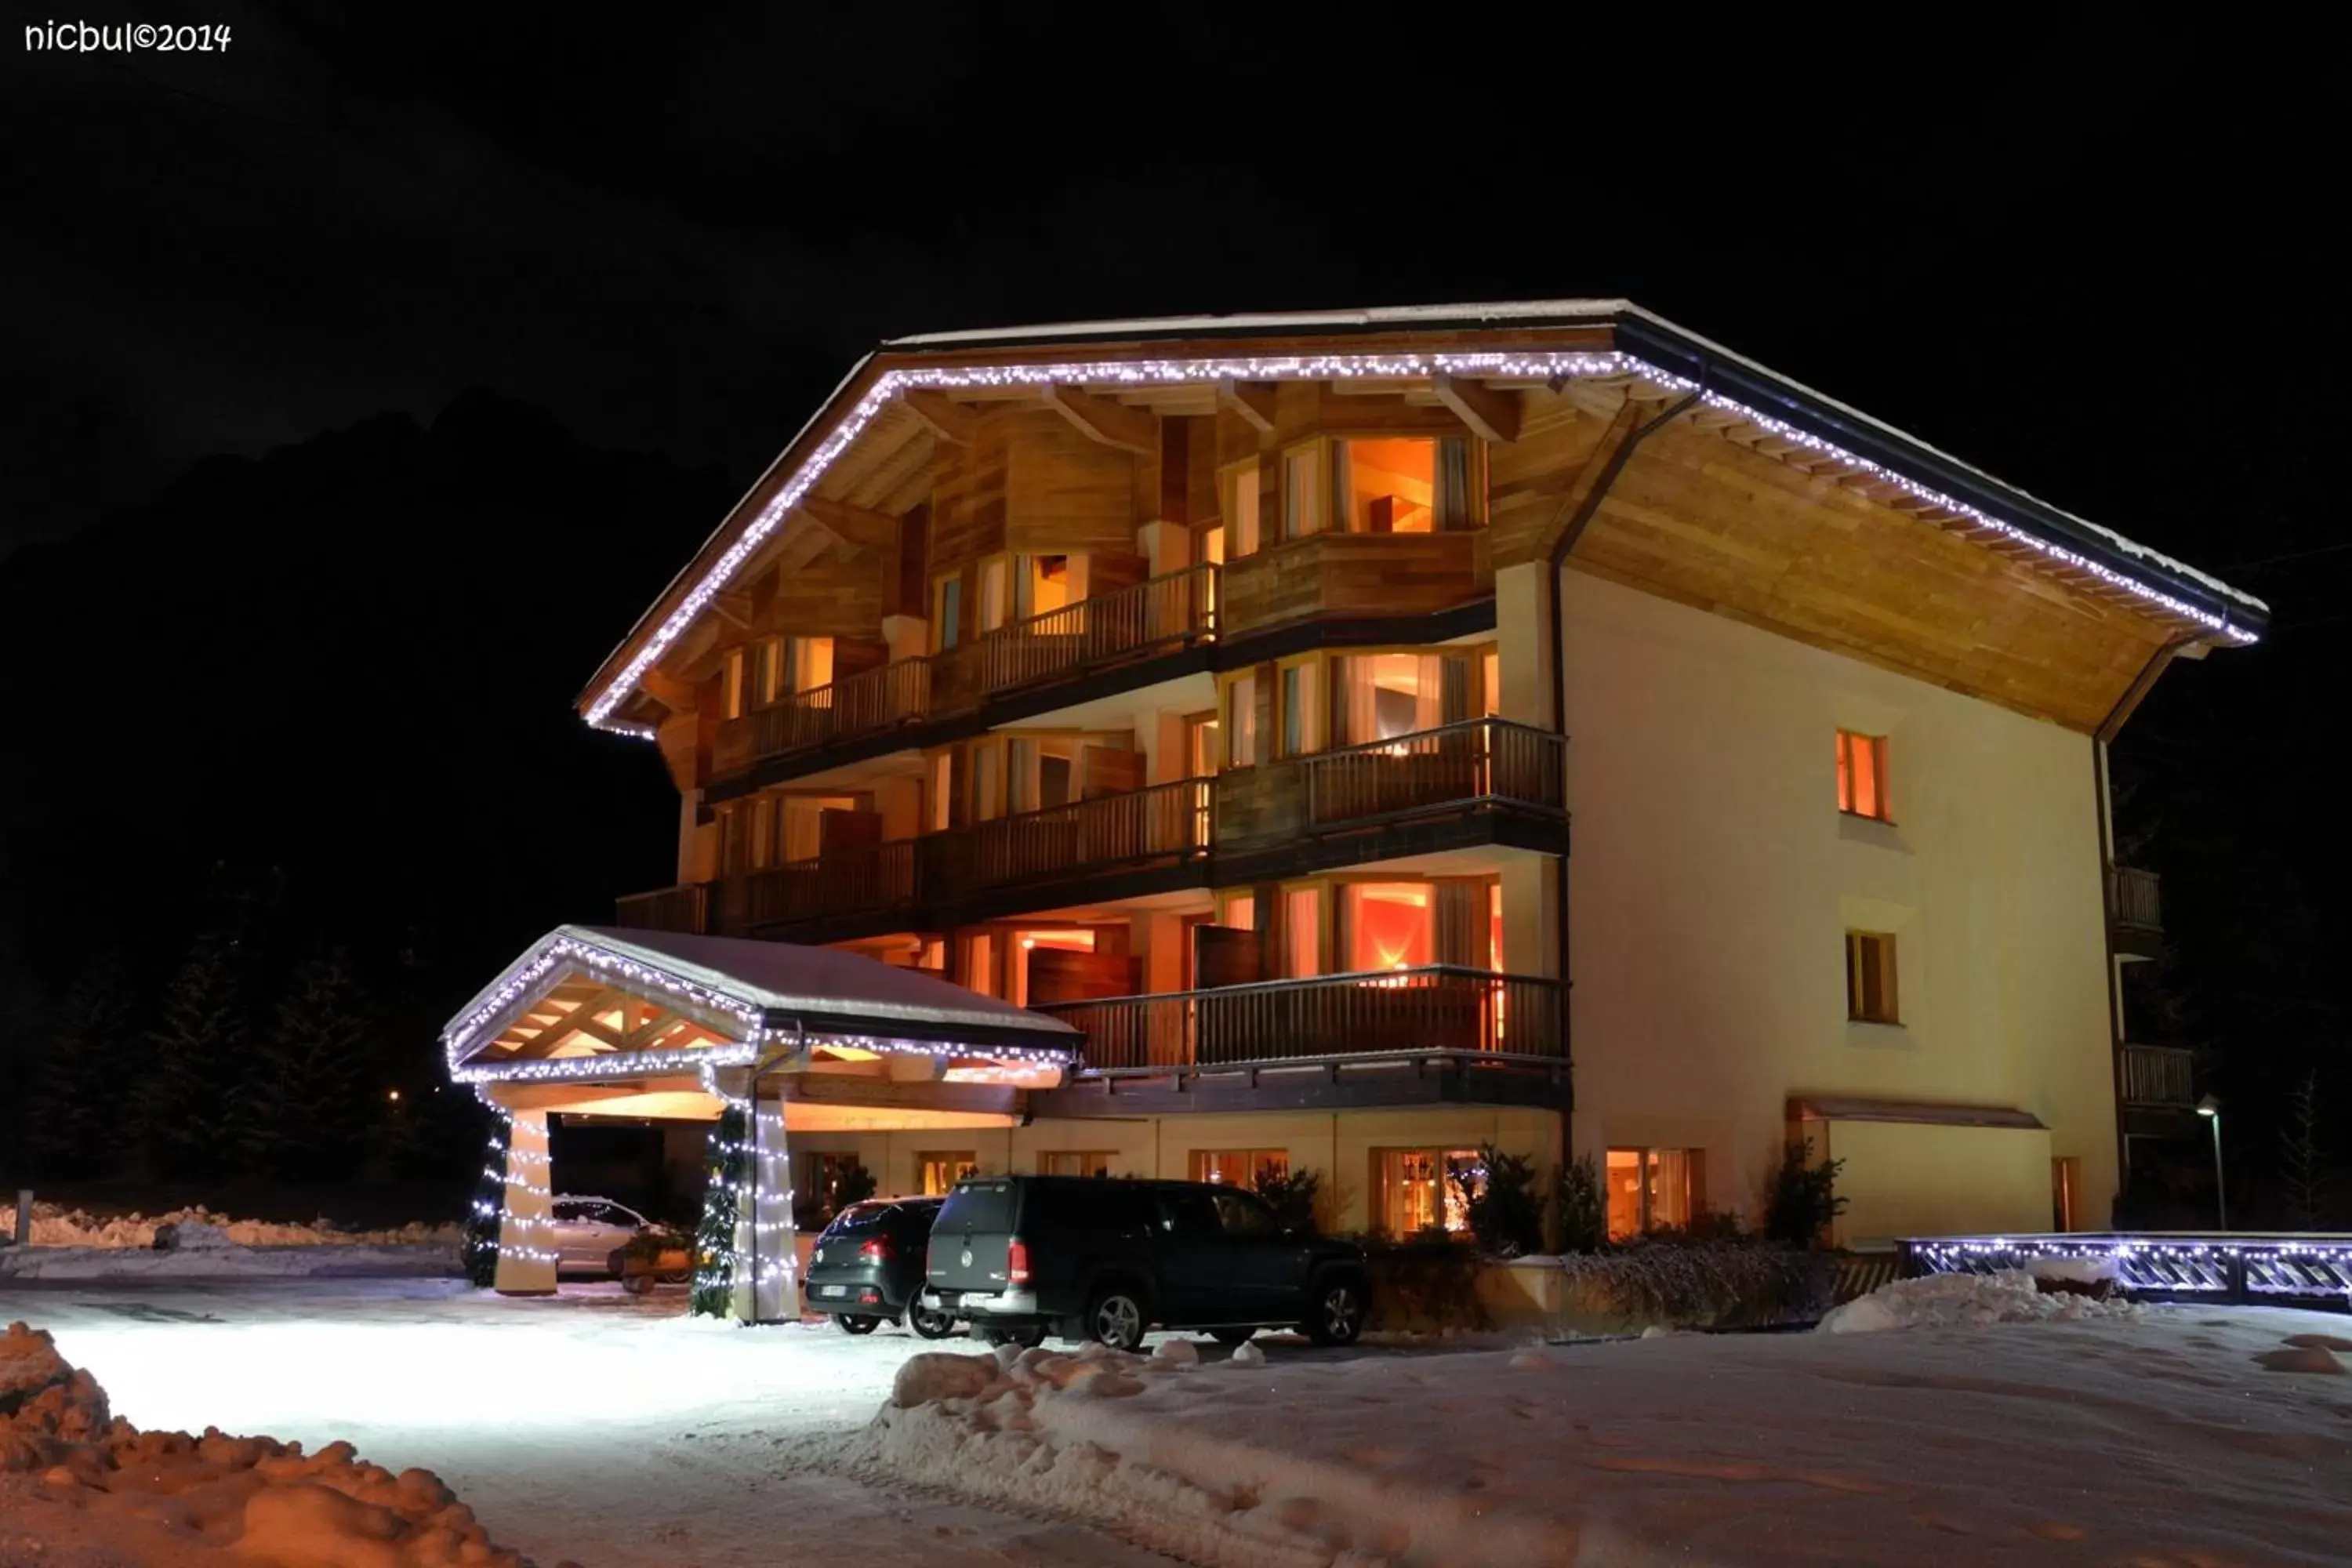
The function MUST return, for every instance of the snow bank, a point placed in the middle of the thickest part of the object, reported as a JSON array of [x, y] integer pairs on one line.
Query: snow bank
[[78, 1487], [1968, 1300], [54, 1226], [217, 1261]]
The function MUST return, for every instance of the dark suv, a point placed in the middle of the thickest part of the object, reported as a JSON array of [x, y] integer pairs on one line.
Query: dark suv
[[1092, 1256], [867, 1266]]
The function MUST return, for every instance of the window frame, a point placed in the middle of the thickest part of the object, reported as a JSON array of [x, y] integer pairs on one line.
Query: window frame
[[1234, 732], [947, 610], [1311, 458], [1244, 525], [1849, 792], [1873, 964], [1648, 1166]]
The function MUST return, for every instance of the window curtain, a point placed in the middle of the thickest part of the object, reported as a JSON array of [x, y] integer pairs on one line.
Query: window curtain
[[1358, 712], [1459, 908], [1453, 489]]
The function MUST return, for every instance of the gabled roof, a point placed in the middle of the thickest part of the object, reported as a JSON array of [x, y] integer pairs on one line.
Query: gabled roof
[[760, 993], [1530, 337]]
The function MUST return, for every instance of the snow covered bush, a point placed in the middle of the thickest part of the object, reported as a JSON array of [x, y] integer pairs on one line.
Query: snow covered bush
[[1579, 1209], [1290, 1193], [1425, 1286], [1505, 1213], [1722, 1284]]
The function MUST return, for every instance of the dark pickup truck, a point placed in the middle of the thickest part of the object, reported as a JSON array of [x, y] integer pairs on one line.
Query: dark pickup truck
[[1108, 1259]]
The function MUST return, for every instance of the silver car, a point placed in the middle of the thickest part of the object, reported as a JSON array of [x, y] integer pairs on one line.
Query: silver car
[[589, 1231]]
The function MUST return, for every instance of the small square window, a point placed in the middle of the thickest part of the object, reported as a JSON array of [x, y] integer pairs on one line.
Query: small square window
[[1870, 978], [1862, 774]]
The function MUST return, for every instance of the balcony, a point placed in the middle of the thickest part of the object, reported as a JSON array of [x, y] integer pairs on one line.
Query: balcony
[[1172, 611], [2134, 912], [1344, 575], [1482, 781], [2158, 1077], [1438, 1009], [685, 908]]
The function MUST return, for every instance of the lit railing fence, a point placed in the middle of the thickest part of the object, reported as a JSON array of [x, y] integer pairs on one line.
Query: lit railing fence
[[1162, 822], [2159, 1074], [1159, 613], [2261, 1269], [685, 908], [871, 700], [2135, 898], [1478, 760], [1435, 1008], [845, 882]]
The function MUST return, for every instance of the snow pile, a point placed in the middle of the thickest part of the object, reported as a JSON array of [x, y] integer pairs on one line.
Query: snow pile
[[191, 1235], [78, 1487], [54, 1226], [1968, 1300]]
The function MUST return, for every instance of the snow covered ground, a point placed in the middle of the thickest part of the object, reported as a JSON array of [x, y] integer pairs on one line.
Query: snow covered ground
[[56, 1225], [69, 1243], [605, 1429]]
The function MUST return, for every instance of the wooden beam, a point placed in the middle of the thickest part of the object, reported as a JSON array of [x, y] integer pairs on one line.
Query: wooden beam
[[1113, 423], [1494, 414], [942, 416], [843, 1089], [1253, 400], [853, 526], [667, 689], [733, 604]]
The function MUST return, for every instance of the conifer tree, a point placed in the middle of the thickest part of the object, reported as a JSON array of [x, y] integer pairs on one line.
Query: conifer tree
[[74, 1105], [306, 1100], [728, 1172], [186, 1102]]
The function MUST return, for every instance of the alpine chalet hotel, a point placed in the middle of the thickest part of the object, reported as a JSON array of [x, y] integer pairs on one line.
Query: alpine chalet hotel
[[1337, 741]]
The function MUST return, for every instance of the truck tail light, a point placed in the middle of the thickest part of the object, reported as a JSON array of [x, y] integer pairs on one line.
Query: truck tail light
[[1016, 1262]]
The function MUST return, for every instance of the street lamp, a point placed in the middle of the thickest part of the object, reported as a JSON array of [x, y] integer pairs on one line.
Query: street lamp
[[2210, 1108]]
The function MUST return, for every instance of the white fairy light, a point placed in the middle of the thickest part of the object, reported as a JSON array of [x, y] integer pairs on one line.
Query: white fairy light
[[1546, 364], [2283, 1266]]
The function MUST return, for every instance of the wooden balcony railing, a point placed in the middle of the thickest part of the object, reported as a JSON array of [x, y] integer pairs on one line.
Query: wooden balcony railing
[[845, 882], [2134, 897], [865, 703], [1158, 613], [1439, 1007], [1478, 760], [685, 908], [1164, 821], [2159, 1074]]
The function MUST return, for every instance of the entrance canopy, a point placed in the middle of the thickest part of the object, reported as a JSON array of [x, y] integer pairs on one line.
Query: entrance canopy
[[592, 1004]]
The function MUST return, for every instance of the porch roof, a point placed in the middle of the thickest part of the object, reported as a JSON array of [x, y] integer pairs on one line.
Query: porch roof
[[740, 996]]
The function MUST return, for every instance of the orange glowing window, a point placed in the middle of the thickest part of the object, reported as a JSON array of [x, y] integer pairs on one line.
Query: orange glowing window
[[1862, 774], [1389, 926], [1241, 912], [1302, 932], [1390, 485]]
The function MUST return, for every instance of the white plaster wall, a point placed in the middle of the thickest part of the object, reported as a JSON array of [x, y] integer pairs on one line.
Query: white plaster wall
[[1712, 878]]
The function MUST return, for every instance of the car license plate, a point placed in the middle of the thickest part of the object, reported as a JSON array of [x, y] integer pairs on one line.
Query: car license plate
[[833, 1289]]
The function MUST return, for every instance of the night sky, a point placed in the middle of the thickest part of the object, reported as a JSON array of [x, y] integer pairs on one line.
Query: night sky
[[2104, 266]]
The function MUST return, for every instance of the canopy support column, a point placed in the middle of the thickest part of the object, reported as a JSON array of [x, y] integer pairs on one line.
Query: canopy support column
[[526, 1227], [768, 1290]]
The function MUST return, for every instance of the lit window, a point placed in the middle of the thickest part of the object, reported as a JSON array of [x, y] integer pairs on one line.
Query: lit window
[[1239, 1167], [1241, 511], [1075, 1161], [1241, 722], [1870, 977], [1302, 932], [1302, 492], [1240, 913], [1301, 705], [1862, 774], [1201, 736], [1421, 1190], [1389, 925], [731, 688], [947, 610], [1390, 486], [769, 688], [935, 1172], [992, 600], [1653, 1189], [811, 663]]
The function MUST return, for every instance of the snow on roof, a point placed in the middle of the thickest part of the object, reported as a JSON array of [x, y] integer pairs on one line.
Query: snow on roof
[[785, 978]]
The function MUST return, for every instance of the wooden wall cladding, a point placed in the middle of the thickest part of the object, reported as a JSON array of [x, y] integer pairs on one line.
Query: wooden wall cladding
[[967, 497], [1529, 479], [1263, 804], [1699, 519], [1065, 492], [1355, 573], [838, 594]]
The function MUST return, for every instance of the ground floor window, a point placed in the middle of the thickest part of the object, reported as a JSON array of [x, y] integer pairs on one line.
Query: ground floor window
[[1418, 1190], [824, 1177], [936, 1171], [1654, 1189], [1238, 1167], [1075, 1162]]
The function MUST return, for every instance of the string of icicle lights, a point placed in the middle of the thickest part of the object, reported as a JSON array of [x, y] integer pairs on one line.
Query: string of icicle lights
[[1310, 367]]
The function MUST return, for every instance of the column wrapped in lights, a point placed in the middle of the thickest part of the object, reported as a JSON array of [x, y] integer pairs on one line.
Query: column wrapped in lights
[[1548, 364], [527, 1252], [479, 1253], [767, 1288]]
